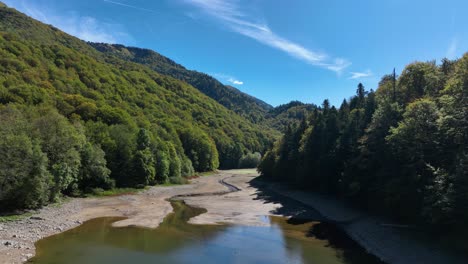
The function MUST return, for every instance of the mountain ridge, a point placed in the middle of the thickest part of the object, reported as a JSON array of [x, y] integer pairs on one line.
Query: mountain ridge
[[232, 98]]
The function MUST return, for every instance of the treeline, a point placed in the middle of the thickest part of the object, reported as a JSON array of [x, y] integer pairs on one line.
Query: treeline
[[401, 150], [74, 121], [43, 155]]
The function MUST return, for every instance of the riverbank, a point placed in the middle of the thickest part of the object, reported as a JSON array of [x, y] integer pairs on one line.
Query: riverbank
[[390, 243], [233, 197], [145, 209]]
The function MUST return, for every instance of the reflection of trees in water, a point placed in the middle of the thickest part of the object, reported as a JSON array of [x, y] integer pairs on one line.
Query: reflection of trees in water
[[350, 250], [173, 233], [303, 225], [302, 239]]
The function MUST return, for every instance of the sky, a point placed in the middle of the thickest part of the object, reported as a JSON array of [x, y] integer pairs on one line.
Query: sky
[[275, 50]]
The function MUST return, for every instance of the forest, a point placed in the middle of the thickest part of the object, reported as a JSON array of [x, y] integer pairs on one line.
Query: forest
[[76, 121], [401, 150], [79, 117]]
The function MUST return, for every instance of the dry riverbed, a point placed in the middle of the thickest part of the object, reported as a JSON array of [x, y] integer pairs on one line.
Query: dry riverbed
[[229, 197], [145, 209]]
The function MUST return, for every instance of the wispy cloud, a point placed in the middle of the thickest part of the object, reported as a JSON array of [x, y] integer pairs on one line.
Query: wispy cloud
[[227, 78], [84, 27], [230, 14], [360, 75], [452, 49], [130, 6], [236, 82]]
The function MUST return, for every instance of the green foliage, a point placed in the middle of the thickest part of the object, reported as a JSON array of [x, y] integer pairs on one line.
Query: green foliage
[[200, 149], [93, 171], [75, 119], [144, 171], [250, 160], [233, 99], [402, 149], [61, 142]]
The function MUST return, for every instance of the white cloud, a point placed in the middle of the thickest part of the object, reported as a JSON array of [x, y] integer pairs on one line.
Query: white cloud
[[360, 75], [84, 27], [130, 6], [227, 78], [229, 13], [452, 49], [236, 82]]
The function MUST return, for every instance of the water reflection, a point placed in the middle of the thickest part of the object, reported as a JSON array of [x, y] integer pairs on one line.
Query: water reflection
[[176, 241]]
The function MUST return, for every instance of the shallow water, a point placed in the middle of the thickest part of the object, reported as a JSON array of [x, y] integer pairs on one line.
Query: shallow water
[[176, 241]]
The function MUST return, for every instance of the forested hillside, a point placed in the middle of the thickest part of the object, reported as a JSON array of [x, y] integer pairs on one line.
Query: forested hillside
[[285, 115], [401, 150], [233, 99], [73, 120]]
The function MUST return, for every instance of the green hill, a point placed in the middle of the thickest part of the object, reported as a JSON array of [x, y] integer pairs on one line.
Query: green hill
[[230, 97], [74, 119], [254, 109], [289, 114]]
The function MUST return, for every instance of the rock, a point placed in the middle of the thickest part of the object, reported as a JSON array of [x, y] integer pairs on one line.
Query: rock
[[14, 235], [29, 255], [8, 243], [36, 218]]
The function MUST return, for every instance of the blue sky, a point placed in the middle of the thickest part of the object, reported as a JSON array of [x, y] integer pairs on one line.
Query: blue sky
[[275, 50]]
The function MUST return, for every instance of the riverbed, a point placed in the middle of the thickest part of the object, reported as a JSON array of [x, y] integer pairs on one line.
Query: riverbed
[[280, 240], [232, 200]]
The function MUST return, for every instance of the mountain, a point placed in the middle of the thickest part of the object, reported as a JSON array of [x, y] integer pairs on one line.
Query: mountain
[[254, 109], [245, 105], [74, 118]]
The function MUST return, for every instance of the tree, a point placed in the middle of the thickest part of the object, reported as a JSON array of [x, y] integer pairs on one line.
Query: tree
[[200, 149], [250, 160], [25, 182], [93, 170], [62, 143], [144, 172], [24, 179]]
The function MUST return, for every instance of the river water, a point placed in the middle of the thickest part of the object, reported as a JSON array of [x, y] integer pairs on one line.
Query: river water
[[176, 241]]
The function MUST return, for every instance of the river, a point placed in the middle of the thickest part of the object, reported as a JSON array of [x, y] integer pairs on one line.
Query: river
[[176, 241]]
